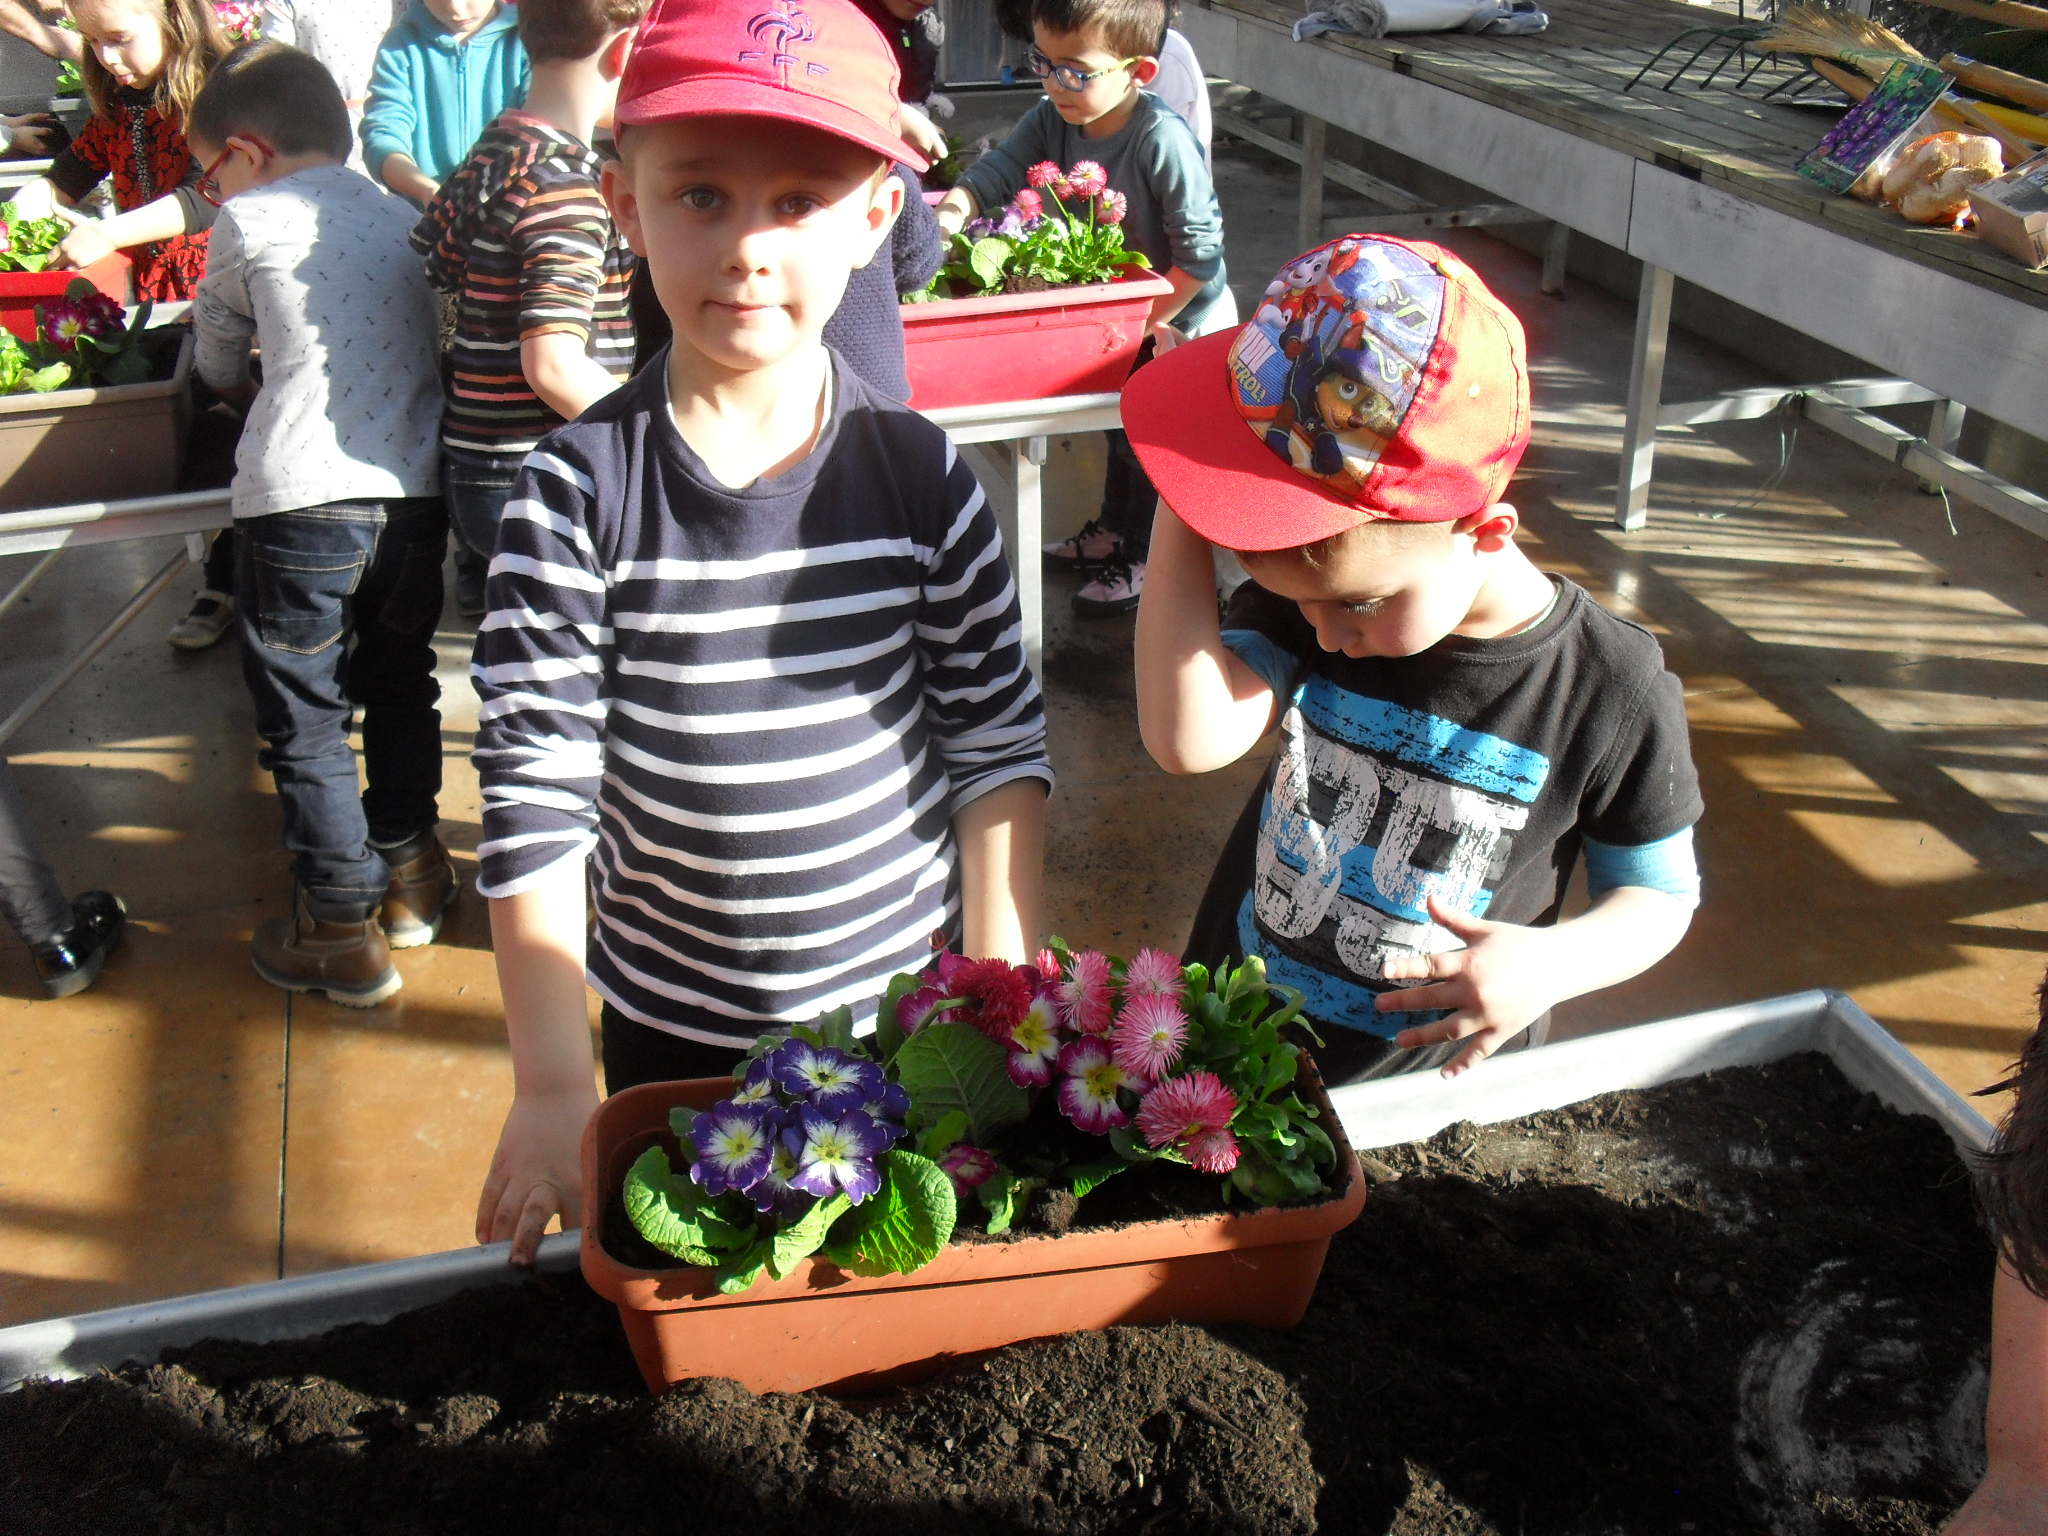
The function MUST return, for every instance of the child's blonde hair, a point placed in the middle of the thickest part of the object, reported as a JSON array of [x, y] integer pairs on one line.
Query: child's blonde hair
[[193, 43]]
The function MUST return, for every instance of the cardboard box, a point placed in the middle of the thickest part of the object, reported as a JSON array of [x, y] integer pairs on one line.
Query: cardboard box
[[2012, 212]]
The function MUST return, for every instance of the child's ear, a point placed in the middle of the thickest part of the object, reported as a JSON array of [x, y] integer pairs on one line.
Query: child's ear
[[1492, 528], [611, 63], [1145, 71], [885, 207], [617, 189]]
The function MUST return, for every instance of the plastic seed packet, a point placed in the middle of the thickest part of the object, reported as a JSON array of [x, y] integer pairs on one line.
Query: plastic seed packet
[[1875, 128]]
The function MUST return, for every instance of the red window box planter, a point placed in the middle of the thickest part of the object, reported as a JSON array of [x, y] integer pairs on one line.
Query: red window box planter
[[1027, 346], [21, 292], [822, 1327]]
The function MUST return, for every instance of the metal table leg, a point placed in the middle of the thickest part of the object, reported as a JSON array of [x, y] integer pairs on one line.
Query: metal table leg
[[36, 573], [1012, 476], [1314, 140], [1645, 395], [1944, 431], [1556, 252]]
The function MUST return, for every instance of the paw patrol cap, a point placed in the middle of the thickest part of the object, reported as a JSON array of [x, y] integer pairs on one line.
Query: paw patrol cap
[[816, 62], [1378, 379]]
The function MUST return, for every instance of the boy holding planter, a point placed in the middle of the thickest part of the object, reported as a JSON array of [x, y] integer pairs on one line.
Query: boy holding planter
[[1096, 57], [752, 673], [338, 510], [1455, 725]]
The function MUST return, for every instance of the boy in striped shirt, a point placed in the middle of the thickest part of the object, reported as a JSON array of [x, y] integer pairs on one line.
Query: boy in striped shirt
[[521, 237], [752, 672]]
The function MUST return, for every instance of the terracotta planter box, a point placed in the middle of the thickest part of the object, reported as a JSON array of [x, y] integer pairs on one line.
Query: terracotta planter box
[[822, 1327], [21, 292], [1027, 346], [79, 445]]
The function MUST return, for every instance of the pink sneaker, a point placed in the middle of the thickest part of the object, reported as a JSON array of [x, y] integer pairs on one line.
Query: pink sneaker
[[1091, 546], [1114, 590]]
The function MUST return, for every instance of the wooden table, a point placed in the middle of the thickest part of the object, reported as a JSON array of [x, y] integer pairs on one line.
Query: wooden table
[[1697, 184]]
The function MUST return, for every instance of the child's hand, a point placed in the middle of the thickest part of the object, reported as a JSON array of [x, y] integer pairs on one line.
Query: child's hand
[[82, 247], [1165, 337], [537, 1171], [921, 133], [1500, 982], [954, 210]]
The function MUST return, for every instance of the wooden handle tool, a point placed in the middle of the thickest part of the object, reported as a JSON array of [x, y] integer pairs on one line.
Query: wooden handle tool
[[1996, 82]]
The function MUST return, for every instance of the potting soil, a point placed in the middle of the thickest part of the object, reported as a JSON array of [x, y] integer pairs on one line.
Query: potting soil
[[1749, 1302]]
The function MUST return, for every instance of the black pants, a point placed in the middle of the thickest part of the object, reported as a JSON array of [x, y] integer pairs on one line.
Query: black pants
[[30, 897], [1128, 499], [337, 606], [635, 1054]]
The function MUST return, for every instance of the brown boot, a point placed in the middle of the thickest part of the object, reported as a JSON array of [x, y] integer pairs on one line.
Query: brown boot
[[350, 962], [423, 883]]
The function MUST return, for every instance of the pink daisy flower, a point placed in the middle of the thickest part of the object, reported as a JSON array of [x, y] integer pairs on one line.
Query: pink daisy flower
[[1088, 1090], [1152, 973], [1213, 1152], [1181, 1109], [1149, 1038], [1087, 178], [1085, 995], [1043, 174], [1112, 208], [1034, 1041], [1028, 203], [968, 1167]]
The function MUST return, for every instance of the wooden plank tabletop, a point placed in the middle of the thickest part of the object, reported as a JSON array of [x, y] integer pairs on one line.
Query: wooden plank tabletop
[[1571, 77]]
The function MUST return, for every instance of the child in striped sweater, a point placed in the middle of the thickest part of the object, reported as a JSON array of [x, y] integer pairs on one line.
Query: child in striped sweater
[[752, 674], [520, 235]]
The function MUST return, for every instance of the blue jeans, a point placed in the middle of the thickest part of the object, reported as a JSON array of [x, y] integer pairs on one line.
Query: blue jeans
[[337, 606], [476, 500]]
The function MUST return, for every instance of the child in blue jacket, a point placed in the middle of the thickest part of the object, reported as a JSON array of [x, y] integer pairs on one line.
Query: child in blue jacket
[[443, 75]]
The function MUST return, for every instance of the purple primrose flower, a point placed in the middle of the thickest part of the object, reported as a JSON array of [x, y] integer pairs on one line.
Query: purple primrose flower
[[758, 1086], [733, 1143], [839, 1154], [830, 1081]]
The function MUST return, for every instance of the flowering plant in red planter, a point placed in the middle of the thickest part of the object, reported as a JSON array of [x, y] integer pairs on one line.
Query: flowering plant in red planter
[[1063, 229], [991, 1082]]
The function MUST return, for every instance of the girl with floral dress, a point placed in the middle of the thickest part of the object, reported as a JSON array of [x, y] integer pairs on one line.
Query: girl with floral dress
[[143, 66]]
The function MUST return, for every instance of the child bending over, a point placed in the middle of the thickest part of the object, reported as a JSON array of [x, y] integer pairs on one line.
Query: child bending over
[[752, 674], [1455, 725]]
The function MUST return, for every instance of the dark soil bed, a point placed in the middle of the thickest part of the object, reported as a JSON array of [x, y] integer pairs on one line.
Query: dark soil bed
[[1751, 1302]]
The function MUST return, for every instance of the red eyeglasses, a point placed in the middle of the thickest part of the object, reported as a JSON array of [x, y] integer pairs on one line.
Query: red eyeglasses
[[208, 185]]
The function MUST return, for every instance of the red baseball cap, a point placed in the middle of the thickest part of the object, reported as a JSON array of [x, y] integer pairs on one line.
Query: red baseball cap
[[1378, 379], [817, 62]]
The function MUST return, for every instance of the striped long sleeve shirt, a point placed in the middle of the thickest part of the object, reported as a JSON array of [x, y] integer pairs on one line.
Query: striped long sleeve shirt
[[521, 236], [756, 710]]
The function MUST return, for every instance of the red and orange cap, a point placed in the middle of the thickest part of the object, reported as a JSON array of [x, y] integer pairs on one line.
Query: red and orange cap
[[1379, 379], [821, 63]]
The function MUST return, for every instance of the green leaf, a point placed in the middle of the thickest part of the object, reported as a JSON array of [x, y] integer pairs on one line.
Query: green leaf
[[675, 1215], [989, 259], [889, 1036], [1131, 1147], [1003, 1197], [1090, 1176], [792, 1245], [742, 1272], [940, 1139], [909, 1219], [140, 319], [947, 1067], [78, 289], [44, 380], [125, 368]]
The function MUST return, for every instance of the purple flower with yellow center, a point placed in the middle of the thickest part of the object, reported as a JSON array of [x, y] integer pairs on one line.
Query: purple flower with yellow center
[[63, 324], [968, 1167], [892, 1103], [734, 1143], [830, 1081], [775, 1194], [1034, 1041], [1090, 1083], [758, 1086], [839, 1154]]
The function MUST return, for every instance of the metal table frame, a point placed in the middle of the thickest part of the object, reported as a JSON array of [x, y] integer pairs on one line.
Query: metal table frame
[[1954, 343]]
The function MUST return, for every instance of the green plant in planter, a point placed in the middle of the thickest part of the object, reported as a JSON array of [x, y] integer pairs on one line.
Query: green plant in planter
[[25, 243], [1062, 230], [94, 336]]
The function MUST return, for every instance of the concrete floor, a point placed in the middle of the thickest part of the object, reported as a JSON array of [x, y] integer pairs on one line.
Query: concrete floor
[[1869, 699]]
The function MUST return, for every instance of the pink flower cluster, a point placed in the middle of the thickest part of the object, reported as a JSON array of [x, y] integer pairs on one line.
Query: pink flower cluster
[[242, 20], [1085, 182], [95, 315], [1106, 1043]]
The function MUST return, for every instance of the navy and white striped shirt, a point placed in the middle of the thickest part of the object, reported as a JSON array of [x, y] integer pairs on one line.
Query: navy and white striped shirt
[[757, 710]]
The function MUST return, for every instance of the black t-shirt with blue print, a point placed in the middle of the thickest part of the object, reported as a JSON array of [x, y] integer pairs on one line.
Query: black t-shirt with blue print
[[1473, 772]]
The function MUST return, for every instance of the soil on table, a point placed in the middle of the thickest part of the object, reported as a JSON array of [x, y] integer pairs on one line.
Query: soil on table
[[1751, 1302]]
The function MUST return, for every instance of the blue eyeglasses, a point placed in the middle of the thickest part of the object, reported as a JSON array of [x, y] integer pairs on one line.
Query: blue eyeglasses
[[1065, 76]]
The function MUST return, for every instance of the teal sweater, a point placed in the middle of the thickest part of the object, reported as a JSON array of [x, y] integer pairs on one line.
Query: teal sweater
[[431, 98]]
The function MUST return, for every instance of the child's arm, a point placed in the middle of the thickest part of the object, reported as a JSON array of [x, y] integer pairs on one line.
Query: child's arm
[[1185, 193], [1002, 867], [403, 176], [223, 316], [989, 182], [1507, 975], [1199, 705], [568, 379], [2013, 1498], [390, 113], [93, 239], [538, 935], [561, 242], [39, 34]]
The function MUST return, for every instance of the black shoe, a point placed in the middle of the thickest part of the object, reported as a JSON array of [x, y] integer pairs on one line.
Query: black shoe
[[71, 962]]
